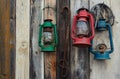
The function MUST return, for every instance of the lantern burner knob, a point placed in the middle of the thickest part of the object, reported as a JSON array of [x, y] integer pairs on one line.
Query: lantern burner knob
[[101, 48]]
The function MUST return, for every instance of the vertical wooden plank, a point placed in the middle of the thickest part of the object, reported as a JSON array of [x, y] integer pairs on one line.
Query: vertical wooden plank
[[50, 57], [12, 36], [4, 39], [64, 42], [107, 69], [22, 38], [79, 56], [96, 65], [36, 59]]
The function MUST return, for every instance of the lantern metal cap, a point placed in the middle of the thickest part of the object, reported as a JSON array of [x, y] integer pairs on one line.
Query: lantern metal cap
[[82, 9], [101, 25], [48, 23], [48, 20]]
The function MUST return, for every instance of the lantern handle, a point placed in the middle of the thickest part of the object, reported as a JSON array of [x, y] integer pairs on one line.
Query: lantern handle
[[111, 41], [110, 37], [92, 26], [55, 36], [40, 36], [91, 48], [73, 27]]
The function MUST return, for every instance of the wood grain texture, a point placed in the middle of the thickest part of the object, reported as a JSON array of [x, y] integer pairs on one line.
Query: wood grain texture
[[36, 56], [64, 42], [50, 57], [12, 36], [22, 39], [50, 65], [107, 69], [80, 66], [4, 39]]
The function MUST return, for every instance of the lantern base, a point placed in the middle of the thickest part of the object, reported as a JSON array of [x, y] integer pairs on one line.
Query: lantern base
[[82, 42], [48, 49], [100, 56]]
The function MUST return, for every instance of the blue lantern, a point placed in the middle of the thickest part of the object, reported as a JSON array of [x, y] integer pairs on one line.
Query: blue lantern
[[102, 53]]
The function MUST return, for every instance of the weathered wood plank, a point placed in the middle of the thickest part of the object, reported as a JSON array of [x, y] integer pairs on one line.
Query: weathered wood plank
[[22, 38], [107, 69], [79, 56], [12, 36], [4, 39], [64, 42], [50, 65], [36, 60], [50, 58]]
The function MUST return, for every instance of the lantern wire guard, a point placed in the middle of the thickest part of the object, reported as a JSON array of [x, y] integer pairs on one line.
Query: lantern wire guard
[[103, 11]]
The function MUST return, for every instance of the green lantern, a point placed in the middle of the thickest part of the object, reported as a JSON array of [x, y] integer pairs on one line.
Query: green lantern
[[48, 36]]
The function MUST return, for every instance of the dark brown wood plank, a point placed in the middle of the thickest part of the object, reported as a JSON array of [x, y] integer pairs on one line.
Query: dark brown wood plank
[[4, 39], [64, 39], [12, 37], [80, 62]]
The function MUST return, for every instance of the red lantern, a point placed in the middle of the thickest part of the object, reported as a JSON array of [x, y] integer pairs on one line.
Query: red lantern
[[83, 28]]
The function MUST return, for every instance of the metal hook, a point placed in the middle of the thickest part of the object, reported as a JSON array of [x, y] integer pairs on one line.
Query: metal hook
[[48, 7]]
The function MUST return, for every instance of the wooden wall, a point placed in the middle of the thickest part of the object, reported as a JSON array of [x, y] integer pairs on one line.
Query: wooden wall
[[98, 69], [22, 23]]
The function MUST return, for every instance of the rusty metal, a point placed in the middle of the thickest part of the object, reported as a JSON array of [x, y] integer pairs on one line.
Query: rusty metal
[[101, 48], [63, 62]]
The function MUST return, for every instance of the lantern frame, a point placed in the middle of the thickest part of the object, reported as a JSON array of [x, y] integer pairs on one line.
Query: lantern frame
[[102, 25], [52, 47], [83, 41]]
